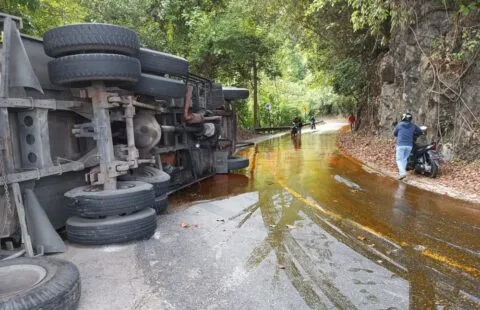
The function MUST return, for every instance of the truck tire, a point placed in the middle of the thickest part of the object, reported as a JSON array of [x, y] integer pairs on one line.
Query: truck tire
[[161, 204], [90, 38], [93, 67], [116, 229], [233, 93], [157, 62], [156, 86], [92, 201], [38, 283], [159, 179], [235, 163]]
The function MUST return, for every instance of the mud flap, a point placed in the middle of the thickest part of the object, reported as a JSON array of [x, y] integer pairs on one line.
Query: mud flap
[[20, 71], [44, 237], [221, 162]]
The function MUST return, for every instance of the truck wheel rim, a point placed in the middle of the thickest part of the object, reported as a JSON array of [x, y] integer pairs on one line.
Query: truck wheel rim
[[99, 188], [18, 278], [93, 189]]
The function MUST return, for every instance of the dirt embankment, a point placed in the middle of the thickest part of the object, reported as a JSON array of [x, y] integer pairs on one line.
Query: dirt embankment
[[456, 179], [248, 134]]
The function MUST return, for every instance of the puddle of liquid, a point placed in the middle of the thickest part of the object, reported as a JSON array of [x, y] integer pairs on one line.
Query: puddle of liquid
[[429, 239]]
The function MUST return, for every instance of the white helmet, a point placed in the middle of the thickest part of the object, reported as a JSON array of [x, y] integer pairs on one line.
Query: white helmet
[[407, 117]]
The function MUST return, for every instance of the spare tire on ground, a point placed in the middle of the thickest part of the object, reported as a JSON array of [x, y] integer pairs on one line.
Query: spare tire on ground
[[38, 283], [157, 62], [235, 163], [93, 67], [115, 229], [93, 201], [90, 38], [156, 86], [233, 93]]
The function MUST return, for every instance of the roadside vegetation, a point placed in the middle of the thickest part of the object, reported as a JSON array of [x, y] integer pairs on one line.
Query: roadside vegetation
[[293, 55], [303, 58]]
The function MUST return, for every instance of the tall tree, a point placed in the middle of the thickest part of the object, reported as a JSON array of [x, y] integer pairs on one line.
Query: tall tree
[[40, 15], [235, 45]]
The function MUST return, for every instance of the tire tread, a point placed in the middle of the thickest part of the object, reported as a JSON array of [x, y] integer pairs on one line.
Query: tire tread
[[60, 291], [115, 204], [90, 38], [162, 63], [93, 67], [107, 231]]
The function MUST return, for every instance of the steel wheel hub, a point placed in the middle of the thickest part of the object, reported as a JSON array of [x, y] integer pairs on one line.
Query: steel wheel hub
[[18, 278]]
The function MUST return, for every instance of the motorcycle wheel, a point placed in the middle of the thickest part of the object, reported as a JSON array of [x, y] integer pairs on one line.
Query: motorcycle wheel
[[434, 170]]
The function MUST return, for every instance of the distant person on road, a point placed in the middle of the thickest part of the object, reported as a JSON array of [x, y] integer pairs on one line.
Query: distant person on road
[[404, 132], [298, 122], [351, 120], [313, 123]]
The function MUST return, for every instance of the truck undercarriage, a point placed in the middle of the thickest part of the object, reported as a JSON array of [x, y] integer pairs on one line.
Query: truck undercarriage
[[93, 132]]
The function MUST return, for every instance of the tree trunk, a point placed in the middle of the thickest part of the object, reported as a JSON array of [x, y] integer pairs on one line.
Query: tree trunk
[[255, 95]]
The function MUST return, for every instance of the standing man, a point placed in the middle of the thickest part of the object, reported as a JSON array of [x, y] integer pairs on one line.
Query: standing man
[[404, 132], [313, 123], [351, 120]]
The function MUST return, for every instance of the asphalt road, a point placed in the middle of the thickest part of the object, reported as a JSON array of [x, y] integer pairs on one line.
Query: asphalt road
[[301, 228]]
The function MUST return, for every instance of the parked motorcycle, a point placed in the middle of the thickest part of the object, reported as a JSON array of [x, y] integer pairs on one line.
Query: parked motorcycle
[[295, 129], [425, 159]]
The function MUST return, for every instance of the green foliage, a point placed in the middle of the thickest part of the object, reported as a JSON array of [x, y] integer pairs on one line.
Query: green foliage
[[23, 8], [309, 55], [464, 45], [229, 42], [292, 62], [244, 114], [41, 15], [470, 44], [467, 7], [371, 14], [348, 78]]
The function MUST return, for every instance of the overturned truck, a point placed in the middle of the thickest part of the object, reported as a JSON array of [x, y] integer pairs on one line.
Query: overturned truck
[[96, 132]]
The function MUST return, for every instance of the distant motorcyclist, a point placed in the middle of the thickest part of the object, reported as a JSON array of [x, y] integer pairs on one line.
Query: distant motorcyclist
[[404, 132], [298, 123], [295, 128]]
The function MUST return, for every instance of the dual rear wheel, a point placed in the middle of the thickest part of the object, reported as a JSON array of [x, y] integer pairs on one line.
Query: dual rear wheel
[[100, 52], [113, 216]]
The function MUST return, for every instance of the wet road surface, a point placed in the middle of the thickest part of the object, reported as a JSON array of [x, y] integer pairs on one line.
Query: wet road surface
[[309, 228]]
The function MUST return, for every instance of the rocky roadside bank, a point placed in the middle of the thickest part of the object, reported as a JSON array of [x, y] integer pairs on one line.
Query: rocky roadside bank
[[457, 179]]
